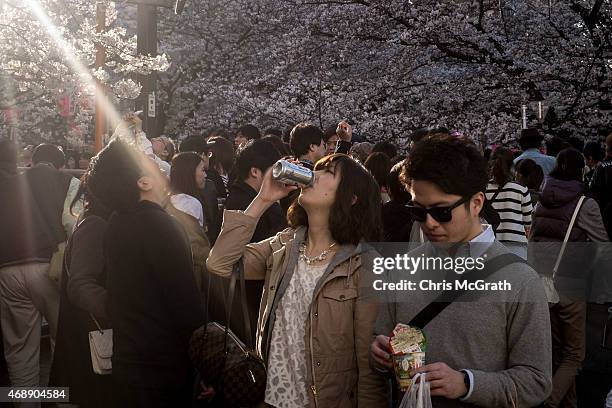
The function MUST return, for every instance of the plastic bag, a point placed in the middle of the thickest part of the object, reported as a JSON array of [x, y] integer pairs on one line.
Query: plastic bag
[[419, 395]]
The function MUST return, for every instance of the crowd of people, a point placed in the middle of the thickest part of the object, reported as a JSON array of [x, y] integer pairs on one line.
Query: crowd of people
[[144, 243]]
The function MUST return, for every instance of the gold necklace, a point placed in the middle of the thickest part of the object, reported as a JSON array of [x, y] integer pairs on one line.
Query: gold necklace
[[311, 260]]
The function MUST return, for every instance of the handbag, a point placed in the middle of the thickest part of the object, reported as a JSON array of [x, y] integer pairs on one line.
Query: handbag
[[223, 360], [100, 340], [549, 281], [101, 348]]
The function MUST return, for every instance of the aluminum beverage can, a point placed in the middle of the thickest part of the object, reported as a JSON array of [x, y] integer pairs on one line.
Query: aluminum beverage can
[[290, 173]]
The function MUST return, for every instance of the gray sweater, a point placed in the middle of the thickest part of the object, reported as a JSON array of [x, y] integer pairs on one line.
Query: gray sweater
[[503, 338]]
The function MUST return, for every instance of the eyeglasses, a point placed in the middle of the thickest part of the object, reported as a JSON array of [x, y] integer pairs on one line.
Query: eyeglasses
[[440, 214]]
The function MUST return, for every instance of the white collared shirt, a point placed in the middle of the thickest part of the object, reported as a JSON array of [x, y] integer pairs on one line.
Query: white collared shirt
[[483, 241]]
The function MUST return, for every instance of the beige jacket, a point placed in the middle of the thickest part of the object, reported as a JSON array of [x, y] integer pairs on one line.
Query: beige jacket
[[198, 241], [339, 329]]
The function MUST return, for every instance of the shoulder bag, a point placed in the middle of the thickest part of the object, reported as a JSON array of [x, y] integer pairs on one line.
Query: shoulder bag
[[549, 281], [223, 360], [429, 312]]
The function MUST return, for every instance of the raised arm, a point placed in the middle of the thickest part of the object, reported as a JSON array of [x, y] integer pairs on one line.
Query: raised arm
[[237, 230]]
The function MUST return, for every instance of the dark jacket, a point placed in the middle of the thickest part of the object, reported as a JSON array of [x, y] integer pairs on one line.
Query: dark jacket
[[551, 219], [31, 214], [215, 177], [601, 184], [397, 222], [153, 300], [342, 146], [271, 222], [554, 211], [211, 211], [83, 291], [601, 190]]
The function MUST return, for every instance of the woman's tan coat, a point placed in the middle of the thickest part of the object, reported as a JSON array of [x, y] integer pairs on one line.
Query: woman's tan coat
[[339, 327]]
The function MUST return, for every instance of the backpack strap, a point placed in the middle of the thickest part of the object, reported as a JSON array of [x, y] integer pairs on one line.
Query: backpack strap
[[444, 299]]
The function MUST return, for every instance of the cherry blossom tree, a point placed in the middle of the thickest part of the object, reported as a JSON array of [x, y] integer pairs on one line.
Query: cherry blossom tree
[[47, 56], [390, 66]]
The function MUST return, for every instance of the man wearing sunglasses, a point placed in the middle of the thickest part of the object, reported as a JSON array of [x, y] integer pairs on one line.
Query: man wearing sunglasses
[[491, 348]]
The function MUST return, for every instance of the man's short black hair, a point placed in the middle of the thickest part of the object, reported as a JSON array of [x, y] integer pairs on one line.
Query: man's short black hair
[[594, 150], [193, 144], [49, 153], [530, 139], [259, 154], [453, 164], [302, 136], [385, 147], [250, 132]]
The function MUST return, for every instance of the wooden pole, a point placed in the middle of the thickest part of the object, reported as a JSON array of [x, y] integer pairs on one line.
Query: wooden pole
[[100, 118], [146, 44]]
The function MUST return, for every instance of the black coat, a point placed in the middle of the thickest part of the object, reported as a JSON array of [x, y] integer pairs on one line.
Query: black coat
[[31, 207], [71, 365], [215, 177], [397, 222], [211, 211], [271, 222], [153, 300]]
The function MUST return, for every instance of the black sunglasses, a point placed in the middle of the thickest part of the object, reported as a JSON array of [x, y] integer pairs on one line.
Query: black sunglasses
[[440, 214]]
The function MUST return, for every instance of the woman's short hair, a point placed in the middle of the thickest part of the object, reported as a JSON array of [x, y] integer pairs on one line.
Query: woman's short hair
[[570, 165], [222, 153], [356, 212], [182, 174], [530, 174]]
